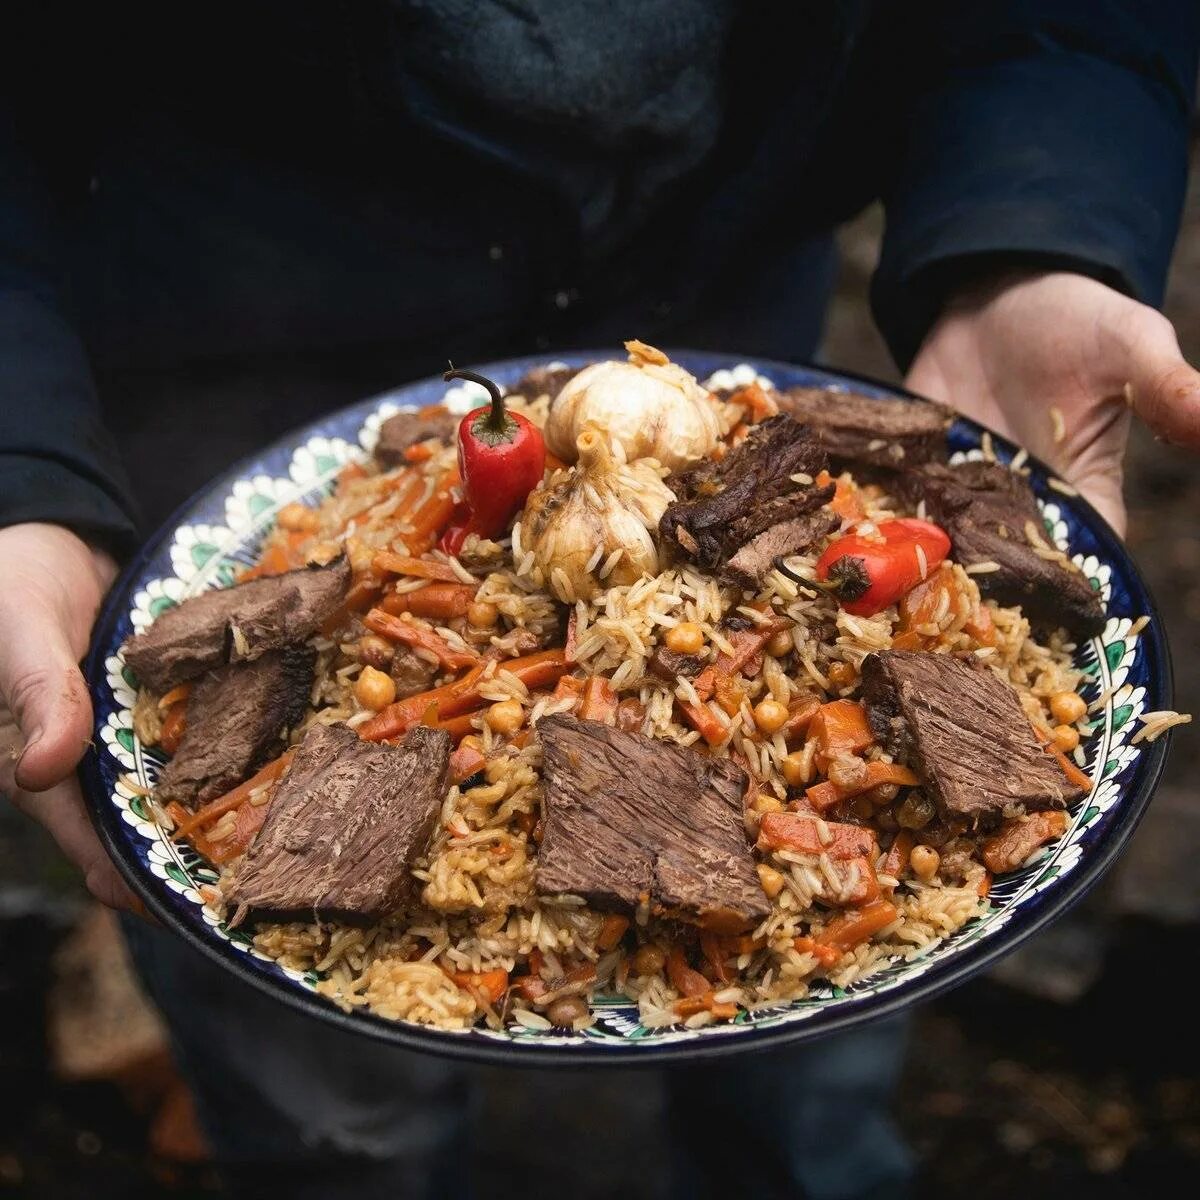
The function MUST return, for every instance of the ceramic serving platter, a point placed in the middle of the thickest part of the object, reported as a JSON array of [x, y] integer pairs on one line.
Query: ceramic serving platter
[[220, 530]]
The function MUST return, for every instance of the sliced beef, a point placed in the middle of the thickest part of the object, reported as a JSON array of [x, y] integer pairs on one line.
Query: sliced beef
[[344, 827], [411, 673], [992, 516], [404, 429], [749, 566], [669, 664], [723, 505], [544, 381], [890, 432], [237, 623], [962, 729], [237, 719], [630, 819]]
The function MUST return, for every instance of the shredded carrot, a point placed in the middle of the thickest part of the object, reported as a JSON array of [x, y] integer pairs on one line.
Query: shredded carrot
[[840, 727], [350, 472], [436, 601], [700, 717], [174, 696], [898, 855], [599, 701], [985, 886], [173, 727], [535, 671], [1019, 838], [827, 956], [715, 954], [824, 795], [800, 715], [1072, 772], [612, 931], [418, 568], [419, 452], [232, 799], [801, 832], [362, 593], [728, 694], [569, 686], [846, 502], [429, 521], [467, 760], [490, 984], [748, 646], [413, 633], [683, 979], [850, 929]]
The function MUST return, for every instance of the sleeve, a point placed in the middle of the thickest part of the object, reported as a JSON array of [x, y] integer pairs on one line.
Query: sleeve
[[1044, 133], [57, 462]]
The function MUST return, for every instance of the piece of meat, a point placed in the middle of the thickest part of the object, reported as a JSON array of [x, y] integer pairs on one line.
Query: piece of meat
[[669, 664], [405, 429], [751, 564], [411, 673], [992, 516], [544, 381], [235, 624], [237, 720], [344, 827], [962, 729], [723, 504], [630, 820], [890, 431]]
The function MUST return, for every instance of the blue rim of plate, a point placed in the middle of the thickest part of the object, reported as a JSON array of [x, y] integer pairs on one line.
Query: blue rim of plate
[[1041, 891]]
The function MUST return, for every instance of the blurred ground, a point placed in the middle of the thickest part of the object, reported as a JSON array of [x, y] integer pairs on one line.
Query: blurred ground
[[1072, 1069]]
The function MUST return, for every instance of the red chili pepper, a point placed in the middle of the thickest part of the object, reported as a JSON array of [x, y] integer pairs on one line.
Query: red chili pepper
[[501, 457], [869, 574]]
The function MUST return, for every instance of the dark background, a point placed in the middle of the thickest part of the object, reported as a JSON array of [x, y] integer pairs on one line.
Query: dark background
[[1074, 1065]]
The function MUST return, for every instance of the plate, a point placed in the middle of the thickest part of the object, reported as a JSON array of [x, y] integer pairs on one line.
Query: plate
[[219, 531]]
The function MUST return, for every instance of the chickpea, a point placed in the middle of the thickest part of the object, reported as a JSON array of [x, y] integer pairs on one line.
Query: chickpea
[[925, 861], [506, 716], [374, 651], [648, 959], [374, 690], [915, 811], [770, 716], [482, 615], [685, 638], [771, 880], [841, 675], [296, 518], [566, 1010], [795, 770], [780, 644], [765, 804], [1066, 738], [1067, 707]]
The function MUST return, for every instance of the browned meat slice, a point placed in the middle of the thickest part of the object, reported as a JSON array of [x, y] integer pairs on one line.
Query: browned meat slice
[[237, 718], [411, 673], [629, 819], [992, 517], [750, 565], [722, 505], [544, 381], [886, 432], [669, 664], [344, 827], [404, 429], [234, 624], [963, 731]]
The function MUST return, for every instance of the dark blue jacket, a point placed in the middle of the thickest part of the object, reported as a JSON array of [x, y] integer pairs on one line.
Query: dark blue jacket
[[455, 178]]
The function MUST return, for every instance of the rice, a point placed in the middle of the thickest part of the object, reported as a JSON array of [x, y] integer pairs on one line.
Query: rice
[[476, 908]]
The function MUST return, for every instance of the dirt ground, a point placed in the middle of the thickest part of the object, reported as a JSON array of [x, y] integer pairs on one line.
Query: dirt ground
[[1071, 1068]]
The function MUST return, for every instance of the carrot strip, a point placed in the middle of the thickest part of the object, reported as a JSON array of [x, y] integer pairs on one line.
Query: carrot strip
[[491, 984], [411, 633], [824, 795], [1072, 772], [800, 832], [467, 760], [434, 515], [683, 979], [850, 929], [840, 727], [599, 701], [232, 799], [436, 601], [419, 568], [362, 593], [846, 501], [747, 645], [827, 956], [173, 727], [700, 717], [174, 696], [462, 696], [611, 931], [899, 853]]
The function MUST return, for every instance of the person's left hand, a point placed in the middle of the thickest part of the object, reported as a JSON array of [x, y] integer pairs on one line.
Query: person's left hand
[[1009, 353]]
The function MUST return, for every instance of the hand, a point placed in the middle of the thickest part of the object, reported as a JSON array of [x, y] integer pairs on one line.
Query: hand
[[1009, 353], [53, 585]]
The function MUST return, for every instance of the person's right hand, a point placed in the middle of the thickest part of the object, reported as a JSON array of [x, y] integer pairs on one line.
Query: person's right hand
[[52, 587]]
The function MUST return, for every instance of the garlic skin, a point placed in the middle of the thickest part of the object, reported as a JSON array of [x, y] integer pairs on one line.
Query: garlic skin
[[577, 519], [648, 406]]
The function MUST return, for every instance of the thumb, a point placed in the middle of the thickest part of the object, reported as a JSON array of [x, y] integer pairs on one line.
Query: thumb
[[1164, 390], [47, 696]]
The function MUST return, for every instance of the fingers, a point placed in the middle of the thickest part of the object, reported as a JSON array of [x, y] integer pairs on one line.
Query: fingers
[[1163, 389], [46, 694], [60, 811]]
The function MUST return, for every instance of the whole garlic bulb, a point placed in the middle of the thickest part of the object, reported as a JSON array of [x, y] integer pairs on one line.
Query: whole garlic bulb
[[649, 406], [581, 515]]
